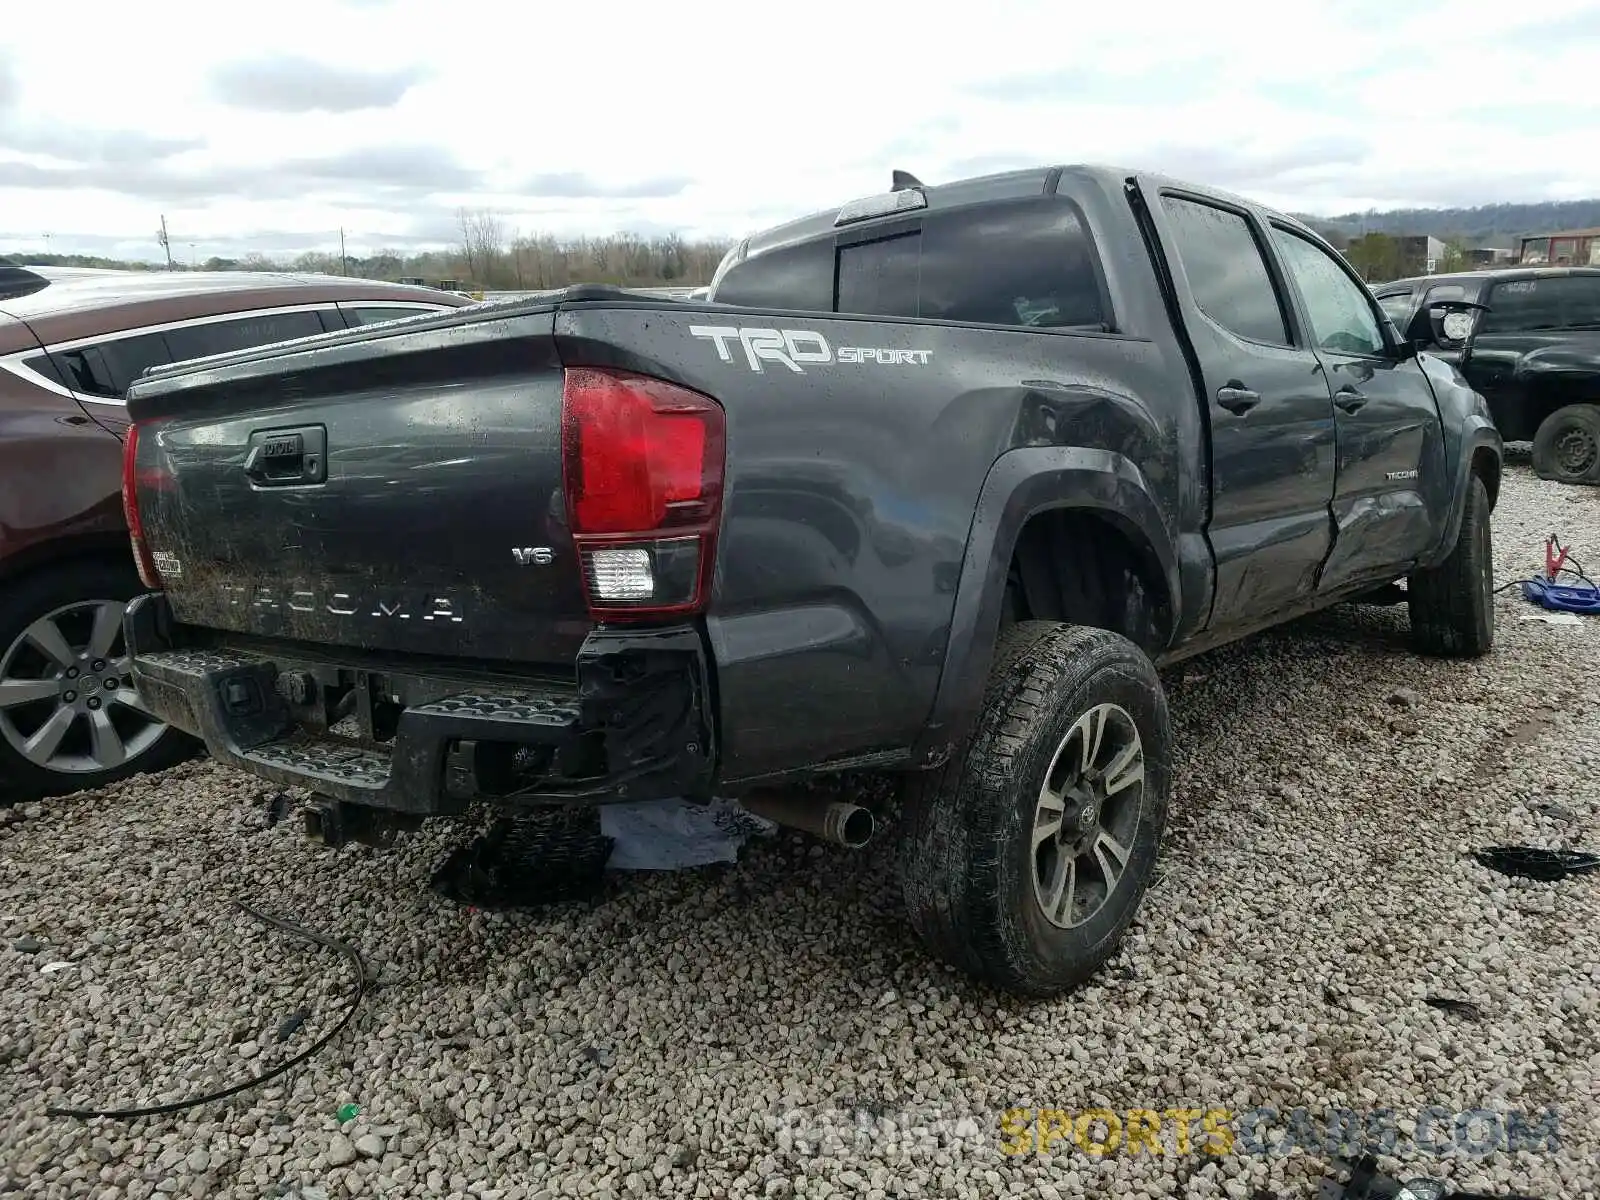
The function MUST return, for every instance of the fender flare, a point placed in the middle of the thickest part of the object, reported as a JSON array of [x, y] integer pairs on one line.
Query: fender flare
[[1478, 433], [1022, 483]]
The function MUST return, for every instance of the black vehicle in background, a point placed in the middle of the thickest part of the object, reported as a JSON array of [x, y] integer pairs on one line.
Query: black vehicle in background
[[1532, 349], [929, 483]]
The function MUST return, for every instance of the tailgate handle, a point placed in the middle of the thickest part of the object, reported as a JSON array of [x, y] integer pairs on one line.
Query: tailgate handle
[[287, 457]]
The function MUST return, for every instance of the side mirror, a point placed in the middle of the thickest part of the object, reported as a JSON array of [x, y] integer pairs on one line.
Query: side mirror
[[1447, 324]]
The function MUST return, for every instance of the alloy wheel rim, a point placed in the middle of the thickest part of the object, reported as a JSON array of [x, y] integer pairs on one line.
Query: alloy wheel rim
[[1576, 451], [67, 701], [1087, 816]]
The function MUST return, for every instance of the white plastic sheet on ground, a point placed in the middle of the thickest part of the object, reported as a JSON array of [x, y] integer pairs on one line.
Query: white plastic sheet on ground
[[668, 835]]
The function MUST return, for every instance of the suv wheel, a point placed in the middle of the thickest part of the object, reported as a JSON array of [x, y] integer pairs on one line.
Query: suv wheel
[[1566, 446], [69, 716], [1024, 859], [1452, 604]]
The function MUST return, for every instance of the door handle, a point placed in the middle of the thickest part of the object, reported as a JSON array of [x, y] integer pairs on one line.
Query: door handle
[[1237, 399], [287, 457], [1348, 399]]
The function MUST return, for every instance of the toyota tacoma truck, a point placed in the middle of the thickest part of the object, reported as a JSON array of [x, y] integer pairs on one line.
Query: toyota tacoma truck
[[931, 483]]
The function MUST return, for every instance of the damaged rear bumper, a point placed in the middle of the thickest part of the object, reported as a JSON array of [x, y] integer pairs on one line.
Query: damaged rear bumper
[[633, 722]]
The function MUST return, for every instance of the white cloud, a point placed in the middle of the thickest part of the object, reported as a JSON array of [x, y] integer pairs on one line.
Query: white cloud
[[719, 117]]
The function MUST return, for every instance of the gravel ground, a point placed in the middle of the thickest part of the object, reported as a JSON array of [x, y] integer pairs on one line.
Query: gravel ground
[[699, 1033]]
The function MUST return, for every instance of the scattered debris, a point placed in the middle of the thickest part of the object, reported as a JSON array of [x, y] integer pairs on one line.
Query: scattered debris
[[1361, 1180], [1405, 697], [669, 835], [1459, 1008], [27, 944], [599, 1055], [277, 808], [529, 860], [50, 968], [1534, 862], [1552, 618], [347, 1112], [292, 1023]]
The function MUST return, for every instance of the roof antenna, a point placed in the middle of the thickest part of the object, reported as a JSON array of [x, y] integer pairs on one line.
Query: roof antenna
[[903, 180]]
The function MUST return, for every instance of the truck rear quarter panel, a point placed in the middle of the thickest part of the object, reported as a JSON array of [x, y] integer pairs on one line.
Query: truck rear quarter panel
[[852, 482]]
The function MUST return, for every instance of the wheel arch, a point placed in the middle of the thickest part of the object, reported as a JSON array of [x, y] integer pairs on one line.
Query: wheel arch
[[1032, 497]]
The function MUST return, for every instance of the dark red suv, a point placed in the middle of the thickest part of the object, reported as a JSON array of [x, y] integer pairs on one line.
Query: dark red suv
[[71, 341]]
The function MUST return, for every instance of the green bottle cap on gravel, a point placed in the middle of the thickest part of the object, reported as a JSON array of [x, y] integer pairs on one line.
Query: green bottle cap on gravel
[[347, 1111]]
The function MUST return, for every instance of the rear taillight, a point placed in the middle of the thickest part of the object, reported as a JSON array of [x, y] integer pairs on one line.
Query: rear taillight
[[642, 465], [131, 478]]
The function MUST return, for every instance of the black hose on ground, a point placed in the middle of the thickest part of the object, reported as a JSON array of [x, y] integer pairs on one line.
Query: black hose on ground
[[289, 927]]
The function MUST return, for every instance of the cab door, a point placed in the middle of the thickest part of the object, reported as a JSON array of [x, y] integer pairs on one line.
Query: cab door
[[1269, 408], [1390, 487]]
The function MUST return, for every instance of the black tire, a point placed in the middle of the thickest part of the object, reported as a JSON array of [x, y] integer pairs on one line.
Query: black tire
[[1566, 446], [24, 601], [967, 853], [1452, 604]]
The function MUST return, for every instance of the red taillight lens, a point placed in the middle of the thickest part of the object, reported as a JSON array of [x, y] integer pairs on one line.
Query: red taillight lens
[[642, 460], [131, 479]]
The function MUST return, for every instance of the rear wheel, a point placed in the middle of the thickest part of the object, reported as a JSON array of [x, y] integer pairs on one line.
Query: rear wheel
[[69, 716], [1452, 604], [1566, 446], [1024, 859]]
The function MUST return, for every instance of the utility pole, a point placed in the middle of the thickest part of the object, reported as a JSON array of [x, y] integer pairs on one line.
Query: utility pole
[[344, 263], [165, 243]]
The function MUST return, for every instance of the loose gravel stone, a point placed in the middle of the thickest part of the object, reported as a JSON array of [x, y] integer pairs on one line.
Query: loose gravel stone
[[771, 1028]]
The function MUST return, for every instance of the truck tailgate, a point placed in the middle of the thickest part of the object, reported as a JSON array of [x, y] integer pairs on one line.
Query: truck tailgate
[[395, 490]]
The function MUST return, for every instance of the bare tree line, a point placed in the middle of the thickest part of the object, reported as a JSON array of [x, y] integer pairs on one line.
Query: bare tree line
[[488, 257]]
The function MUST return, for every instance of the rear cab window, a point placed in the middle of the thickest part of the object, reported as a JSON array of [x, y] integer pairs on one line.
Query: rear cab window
[[1026, 264], [1543, 304]]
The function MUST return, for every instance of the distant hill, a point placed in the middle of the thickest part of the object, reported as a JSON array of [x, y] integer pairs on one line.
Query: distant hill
[[1497, 221]]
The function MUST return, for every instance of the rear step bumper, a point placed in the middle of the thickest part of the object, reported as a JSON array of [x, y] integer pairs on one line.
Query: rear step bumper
[[634, 724]]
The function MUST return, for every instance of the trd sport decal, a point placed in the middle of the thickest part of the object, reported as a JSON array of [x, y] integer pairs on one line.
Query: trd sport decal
[[791, 347]]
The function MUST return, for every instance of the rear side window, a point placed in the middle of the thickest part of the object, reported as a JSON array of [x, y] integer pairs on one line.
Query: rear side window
[[1226, 271], [371, 316], [107, 370], [798, 277], [241, 333]]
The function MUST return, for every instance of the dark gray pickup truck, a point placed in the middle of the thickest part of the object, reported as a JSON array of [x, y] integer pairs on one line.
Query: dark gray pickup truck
[[930, 483]]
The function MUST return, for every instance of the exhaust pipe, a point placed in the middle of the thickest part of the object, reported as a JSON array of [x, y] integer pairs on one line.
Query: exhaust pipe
[[843, 824]]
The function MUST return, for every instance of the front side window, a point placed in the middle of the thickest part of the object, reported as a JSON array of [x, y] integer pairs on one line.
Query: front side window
[[1342, 320], [1226, 271]]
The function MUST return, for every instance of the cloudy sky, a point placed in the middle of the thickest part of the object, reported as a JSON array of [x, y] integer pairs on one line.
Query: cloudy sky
[[269, 129]]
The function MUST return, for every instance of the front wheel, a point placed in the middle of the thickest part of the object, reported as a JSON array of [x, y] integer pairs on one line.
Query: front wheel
[[1024, 859], [69, 716], [1452, 604], [1566, 446]]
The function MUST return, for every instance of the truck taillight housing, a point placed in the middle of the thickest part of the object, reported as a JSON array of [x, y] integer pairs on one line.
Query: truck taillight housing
[[132, 477], [642, 462]]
